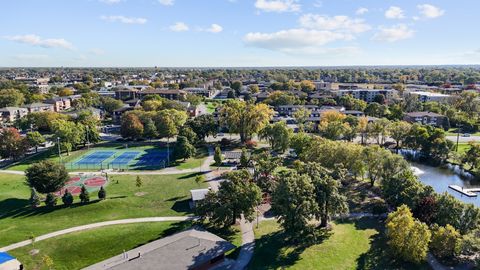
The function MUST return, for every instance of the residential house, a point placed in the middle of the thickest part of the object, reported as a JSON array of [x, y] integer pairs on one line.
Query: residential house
[[60, 103], [39, 107], [426, 118], [12, 114]]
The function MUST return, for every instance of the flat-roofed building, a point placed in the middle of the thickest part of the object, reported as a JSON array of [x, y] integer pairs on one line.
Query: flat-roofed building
[[426, 118], [191, 249], [12, 114], [430, 96], [39, 107], [367, 95]]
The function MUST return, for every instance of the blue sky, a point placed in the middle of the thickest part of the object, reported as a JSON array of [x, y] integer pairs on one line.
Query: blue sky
[[230, 33]]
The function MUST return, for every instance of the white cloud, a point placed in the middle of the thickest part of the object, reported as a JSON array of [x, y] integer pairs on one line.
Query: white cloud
[[339, 23], [167, 2], [179, 27], [111, 1], [215, 28], [394, 33], [123, 19], [278, 5], [97, 51], [361, 11], [430, 11], [38, 41], [294, 39], [394, 13]]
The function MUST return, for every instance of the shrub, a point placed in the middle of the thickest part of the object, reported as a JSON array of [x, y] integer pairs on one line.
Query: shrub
[[102, 194], [67, 198], [34, 198], [250, 144]]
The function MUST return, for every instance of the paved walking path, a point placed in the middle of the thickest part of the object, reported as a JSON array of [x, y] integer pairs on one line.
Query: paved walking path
[[92, 226], [248, 245]]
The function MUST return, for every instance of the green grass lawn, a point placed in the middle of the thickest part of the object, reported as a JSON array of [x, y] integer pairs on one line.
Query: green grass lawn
[[351, 245], [453, 132], [160, 195], [81, 249], [52, 155], [211, 106], [194, 162], [462, 147]]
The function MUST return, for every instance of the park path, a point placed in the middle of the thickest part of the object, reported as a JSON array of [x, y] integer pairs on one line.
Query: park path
[[93, 226]]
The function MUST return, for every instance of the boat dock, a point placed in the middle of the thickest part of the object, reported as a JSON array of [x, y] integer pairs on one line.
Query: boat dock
[[470, 192]]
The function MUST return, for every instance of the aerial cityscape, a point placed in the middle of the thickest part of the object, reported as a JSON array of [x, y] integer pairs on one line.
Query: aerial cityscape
[[239, 134]]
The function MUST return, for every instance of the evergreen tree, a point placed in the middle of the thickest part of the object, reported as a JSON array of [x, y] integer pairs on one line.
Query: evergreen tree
[[51, 200], [84, 195], [67, 198], [244, 158], [102, 194], [217, 156]]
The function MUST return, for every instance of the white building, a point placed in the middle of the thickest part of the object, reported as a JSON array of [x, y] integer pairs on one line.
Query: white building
[[367, 95], [430, 96]]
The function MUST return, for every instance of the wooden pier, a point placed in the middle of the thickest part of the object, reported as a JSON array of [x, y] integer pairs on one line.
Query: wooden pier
[[469, 192]]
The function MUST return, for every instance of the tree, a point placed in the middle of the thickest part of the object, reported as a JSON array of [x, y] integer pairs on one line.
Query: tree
[[12, 144], [46, 176], [408, 237], [34, 198], [278, 136], [102, 193], [236, 85], [203, 125], [35, 139], [307, 86], [472, 156], [67, 198], [110, 104], [264, 167], [301, 116], [65, 92], [244, 158], [444, 241], [380, 99], [217, 156], [51, 200], [332, 125], [188, 133], [426, 209], [150, 130], [11, 98], [70, 134], [169, 121], [84, 195], [300, 142], [327, 194], [293, 201], [131, 126], [138, 181], [183, 149], [235, 197], [399, 131], [253, 88], [245, 118]]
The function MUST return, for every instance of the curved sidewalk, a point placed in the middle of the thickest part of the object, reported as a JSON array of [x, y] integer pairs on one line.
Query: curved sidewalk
[[93, 226]]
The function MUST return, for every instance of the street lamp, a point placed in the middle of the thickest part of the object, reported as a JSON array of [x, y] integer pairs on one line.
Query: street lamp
[[59, 155]]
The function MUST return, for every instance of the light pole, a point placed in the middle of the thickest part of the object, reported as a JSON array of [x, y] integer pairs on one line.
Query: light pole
[[59, 152], [458, 136], [88, 140]]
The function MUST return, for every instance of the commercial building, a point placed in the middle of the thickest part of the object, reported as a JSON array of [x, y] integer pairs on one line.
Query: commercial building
[[367, 95], [430, 96]]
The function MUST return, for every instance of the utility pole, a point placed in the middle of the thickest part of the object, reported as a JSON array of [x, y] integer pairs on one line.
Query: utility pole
[[88, 140], [458, 137], [59, 152], [168, 152]]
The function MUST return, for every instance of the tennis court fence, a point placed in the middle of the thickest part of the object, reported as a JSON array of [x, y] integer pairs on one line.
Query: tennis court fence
[[160, 164]]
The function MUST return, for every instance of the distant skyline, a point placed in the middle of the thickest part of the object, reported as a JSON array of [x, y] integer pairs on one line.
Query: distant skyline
[[237, 33]]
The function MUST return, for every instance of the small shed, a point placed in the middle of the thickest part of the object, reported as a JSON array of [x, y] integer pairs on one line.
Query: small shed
[[198, 195]]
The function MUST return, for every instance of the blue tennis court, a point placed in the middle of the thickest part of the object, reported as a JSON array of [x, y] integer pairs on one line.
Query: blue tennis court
[[125, 158], [152, 158], [96, 157]]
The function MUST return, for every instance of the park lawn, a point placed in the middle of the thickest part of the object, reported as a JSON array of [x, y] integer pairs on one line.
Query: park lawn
[[80, 249], [463, 147], [194, 162], [350, 245], [159, 195], [52, 155], [211, 106]]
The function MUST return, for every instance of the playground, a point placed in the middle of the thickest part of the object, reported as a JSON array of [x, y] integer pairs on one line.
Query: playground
[[74, 185]]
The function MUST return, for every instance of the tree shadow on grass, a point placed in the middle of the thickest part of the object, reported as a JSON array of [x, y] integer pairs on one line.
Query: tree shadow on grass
[[17, 208], [190, 175], [276, 250], [182, 206]]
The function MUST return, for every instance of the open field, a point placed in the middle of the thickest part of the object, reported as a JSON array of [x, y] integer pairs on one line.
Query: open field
[[351, 245], [194, 162], [159, 195], [81, 249]]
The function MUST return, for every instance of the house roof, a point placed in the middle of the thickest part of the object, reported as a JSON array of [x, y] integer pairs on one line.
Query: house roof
[[199, 194], [184, 250], [422, 114], [9, 109], [36, 105]]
